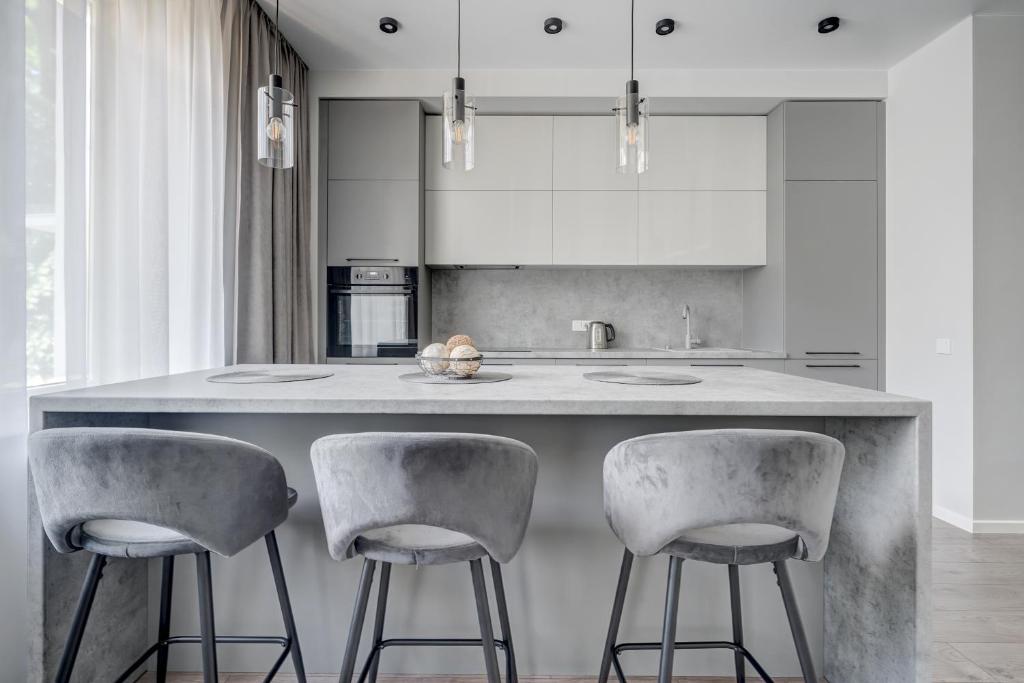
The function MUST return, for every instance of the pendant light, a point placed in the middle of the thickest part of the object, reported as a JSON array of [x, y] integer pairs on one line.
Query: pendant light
[[275, 125], [458, 127], [632, 117]]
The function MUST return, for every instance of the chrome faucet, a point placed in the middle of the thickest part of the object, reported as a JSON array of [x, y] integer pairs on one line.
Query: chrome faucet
[[689, 341]]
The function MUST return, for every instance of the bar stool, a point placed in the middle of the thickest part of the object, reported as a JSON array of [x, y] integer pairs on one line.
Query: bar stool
[[145, 493], [730, 496], [425, 499]]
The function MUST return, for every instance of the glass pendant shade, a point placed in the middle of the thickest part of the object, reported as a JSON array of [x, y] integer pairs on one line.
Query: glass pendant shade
[[458, 131], [275, 125], [633, 132]]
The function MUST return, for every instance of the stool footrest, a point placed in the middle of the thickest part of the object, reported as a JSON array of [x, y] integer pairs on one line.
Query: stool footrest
[[379, 646], [687, 645], [436, 642], [284, 642]]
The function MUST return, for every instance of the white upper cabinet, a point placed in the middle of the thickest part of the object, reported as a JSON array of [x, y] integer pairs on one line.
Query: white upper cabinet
[[512, 153], [594, 228], [545, 192], [707, 153], [584, 155], [702, 228], [488, 227]]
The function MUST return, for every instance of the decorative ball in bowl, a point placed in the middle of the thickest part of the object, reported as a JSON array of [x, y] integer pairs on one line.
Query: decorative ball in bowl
[[458, 358], [433, 359], [464, 360]]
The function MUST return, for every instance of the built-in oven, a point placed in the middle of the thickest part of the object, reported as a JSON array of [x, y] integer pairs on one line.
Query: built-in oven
[[371, 312]]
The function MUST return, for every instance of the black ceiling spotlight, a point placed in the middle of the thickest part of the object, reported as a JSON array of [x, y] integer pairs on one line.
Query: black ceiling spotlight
[[665, 26], [388, 25], [828, 24], [552, 25]]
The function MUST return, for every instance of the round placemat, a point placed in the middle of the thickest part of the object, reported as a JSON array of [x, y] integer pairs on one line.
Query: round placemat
[[266, 376], [478, 378], [648, 378]]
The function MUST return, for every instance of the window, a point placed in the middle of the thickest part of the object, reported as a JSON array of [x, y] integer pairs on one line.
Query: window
[[56, 107]]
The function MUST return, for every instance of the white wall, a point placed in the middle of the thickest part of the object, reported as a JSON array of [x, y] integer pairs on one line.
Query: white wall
[[929, 266], [998, 277]]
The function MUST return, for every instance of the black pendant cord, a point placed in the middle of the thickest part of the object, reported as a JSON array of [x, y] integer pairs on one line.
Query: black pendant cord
[[458, 42], [632, 36], [277, 37]]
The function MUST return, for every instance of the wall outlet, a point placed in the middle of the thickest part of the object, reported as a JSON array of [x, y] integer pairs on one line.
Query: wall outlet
[[944, 347], [580, 325]]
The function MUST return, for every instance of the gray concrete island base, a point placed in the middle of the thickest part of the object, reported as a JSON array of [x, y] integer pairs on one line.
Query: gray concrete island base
[[866, 606]]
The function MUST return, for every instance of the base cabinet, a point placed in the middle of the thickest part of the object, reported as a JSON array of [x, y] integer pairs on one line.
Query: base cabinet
[[858, 373], [600, 362], [774, 365]]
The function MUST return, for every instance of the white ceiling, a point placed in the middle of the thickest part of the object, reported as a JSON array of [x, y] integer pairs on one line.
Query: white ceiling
[[710, 34]]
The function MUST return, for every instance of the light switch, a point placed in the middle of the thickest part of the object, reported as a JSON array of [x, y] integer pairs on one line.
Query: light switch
[[944, 346]]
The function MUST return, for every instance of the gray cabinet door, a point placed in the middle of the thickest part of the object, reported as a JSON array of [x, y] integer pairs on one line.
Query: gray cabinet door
[[831, 269], [861, 373], [831, 140], [373, 222], [374, 140]]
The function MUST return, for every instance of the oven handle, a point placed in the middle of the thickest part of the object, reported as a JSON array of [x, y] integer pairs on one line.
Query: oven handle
[[371, 289]]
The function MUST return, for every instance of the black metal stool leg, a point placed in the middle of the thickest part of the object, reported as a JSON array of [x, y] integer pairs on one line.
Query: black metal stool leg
[[78, 622], [286, 606], [613, 624], [668, 631], [208, 631], [511, 673], [737, 621], [378, 620], [355, 629], [164, 628], [795, 623], [483, 613]]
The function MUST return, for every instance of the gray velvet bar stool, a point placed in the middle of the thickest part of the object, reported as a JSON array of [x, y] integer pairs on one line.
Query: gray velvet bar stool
[[731, 496], [425, 499], [145, 493]]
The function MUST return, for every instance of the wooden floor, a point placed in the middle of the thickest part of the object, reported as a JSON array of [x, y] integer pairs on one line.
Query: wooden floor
[[978, 595], [979, 606]]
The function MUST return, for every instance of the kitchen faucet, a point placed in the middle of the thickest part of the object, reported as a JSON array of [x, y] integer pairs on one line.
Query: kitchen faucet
[[689, 341]]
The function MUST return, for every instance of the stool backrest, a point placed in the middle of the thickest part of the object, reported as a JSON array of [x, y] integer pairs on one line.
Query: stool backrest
[[479, 485], [657, 487], [221, 493]]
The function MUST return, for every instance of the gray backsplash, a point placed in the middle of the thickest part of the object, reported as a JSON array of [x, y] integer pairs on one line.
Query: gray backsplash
[[534, 308]]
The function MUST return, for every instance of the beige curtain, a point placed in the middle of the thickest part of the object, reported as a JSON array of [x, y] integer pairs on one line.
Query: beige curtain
[[267, 212]]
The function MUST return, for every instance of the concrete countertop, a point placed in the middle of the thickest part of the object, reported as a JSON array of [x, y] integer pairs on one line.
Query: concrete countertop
[[533, 390], [614, 352]]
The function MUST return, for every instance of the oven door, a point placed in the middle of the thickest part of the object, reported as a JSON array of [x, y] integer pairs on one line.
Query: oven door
[[371, 321]]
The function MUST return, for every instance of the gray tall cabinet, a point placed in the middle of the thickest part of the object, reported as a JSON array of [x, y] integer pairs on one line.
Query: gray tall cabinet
[[820, 296], [371, 191]]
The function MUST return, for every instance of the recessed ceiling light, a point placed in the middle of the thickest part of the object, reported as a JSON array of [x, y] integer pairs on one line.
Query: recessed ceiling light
[[665, 27], [552, 25], [828, 25], [389, 25]]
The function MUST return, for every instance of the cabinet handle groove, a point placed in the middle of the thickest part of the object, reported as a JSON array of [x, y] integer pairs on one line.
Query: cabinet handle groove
[[817, 365], [832, 353], [392, 260]]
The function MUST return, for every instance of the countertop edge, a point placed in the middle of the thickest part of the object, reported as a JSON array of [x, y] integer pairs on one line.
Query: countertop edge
[[611, 408]]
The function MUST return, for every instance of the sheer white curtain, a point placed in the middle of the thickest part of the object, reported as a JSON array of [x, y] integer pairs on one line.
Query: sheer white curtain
[[13, 421], [155, 295]]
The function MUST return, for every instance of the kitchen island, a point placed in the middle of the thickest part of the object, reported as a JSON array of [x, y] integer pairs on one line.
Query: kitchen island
[[866, 607]]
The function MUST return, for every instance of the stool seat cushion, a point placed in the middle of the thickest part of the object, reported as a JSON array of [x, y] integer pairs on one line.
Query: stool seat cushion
[[126, 538], [736, 544], [417, 544]]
